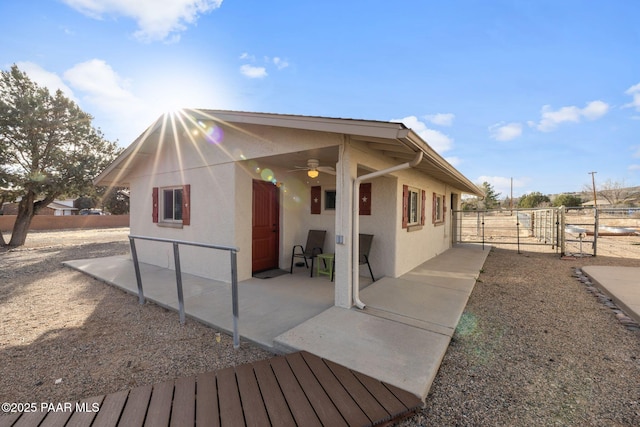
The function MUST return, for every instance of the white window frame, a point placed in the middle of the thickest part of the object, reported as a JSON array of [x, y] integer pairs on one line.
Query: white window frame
[[414, 206], [438, 209], [163, 204]]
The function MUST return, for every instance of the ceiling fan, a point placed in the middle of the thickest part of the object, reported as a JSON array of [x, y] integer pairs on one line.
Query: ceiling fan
[[313, 168]]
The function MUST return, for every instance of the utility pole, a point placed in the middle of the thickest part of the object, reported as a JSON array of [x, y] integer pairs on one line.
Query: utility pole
[[511, 197], [593, 183]]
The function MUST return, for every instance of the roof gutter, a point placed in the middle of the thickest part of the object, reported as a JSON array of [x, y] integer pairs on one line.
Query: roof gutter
[[355, 237]]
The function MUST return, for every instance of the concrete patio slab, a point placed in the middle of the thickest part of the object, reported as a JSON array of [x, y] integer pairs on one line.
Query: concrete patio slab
[[622, 284], [393, 352], [400, 337]]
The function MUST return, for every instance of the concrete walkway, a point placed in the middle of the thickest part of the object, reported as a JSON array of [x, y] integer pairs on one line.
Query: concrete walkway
[[399, 338], [622, 284]]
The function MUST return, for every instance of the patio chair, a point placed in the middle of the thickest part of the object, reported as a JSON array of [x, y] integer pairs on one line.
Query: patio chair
[[315, 242], [363, 258], [365, 248]]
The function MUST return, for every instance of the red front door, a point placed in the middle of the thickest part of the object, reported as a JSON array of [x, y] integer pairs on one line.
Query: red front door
[[266, 226]]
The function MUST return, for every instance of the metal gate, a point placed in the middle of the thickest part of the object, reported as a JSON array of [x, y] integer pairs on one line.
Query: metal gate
[[567, 231], [520, 227]]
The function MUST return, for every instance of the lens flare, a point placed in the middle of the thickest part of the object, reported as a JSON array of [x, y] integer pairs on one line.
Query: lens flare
[[214, 134], [267, 175]]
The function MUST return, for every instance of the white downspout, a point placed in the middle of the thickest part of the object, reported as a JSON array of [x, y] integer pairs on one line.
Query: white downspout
[[355, 236]]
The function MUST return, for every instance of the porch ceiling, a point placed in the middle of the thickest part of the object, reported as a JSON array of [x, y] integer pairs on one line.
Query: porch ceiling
[[432, 164]]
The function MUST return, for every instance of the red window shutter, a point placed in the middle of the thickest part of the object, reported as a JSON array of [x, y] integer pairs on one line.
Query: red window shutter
[[154, 206], [434, 213], [316, 200], [423, 213], [186, 204], [365, 198], [405, 206]]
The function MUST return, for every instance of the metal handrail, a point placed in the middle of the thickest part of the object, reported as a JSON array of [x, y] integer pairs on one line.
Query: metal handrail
[[176, 254]]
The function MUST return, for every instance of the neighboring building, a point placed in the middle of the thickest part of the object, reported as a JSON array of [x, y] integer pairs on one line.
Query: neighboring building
[[57, 208], [240, 179]]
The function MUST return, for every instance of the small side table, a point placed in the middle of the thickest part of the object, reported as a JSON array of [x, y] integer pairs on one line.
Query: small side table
[[325, 264]]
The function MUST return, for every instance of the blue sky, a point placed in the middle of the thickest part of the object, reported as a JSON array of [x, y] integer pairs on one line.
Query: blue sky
[[543, 92]]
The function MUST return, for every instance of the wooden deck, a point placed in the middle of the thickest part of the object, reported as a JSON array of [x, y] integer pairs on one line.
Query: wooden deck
[[298, 389]]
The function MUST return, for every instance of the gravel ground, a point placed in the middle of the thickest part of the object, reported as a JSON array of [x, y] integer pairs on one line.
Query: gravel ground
[[534, 346], [66, 336]]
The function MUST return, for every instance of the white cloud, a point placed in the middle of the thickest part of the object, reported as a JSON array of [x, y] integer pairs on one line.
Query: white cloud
[[634, 91], [634, 168], [552, 119], [436, 139], [253, 72], [260, 71], [441, 119], [280, 63], [595, 109], [453, 161], [505, 132], [45, 78], [156, 19], [101, 85]]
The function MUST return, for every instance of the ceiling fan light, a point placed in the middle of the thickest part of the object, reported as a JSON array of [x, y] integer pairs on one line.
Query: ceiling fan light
[[312, 173]]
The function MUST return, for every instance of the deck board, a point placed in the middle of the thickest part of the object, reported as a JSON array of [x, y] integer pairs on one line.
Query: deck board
[[135, 409], [87, 412], [184, 402], [159, 410], [365, 400], [299, 389], [274, 401], [30, 419], [207, 413], [56, 419], [352, 413], [382, 394], [255, 413], [111, 409], [322, 404], [299, 405], [231, 413]]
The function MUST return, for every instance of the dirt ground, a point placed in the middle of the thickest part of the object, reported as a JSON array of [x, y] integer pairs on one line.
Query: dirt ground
[[65, 336]]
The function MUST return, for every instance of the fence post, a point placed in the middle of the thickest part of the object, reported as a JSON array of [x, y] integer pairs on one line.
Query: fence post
[[234, 296], [518, 229], [136, 267], [176, 257], [482, 229], [596, 226]]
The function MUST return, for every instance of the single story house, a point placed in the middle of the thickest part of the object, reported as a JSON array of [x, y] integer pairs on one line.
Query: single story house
[[56, 208], [261, 181]]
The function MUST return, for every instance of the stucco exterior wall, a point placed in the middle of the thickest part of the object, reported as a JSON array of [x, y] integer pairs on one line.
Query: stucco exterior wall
[[221, 197], [220, 176]]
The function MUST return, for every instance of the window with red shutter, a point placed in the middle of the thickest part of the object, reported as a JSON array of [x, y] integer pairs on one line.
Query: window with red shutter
[[438, 209], [172, 205]]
